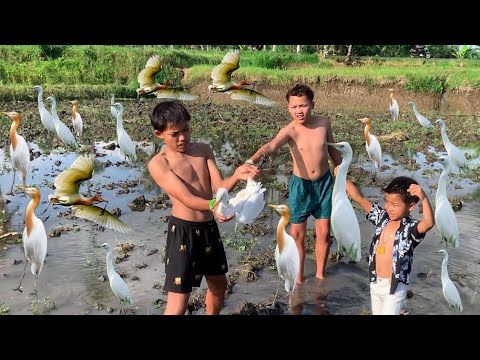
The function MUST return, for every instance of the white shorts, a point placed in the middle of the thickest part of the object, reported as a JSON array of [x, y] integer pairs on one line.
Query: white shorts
[[384, 303]]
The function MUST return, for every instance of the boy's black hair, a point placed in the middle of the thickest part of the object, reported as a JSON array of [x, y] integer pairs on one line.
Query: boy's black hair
[[300, 90], [399, 186], [168, 112]]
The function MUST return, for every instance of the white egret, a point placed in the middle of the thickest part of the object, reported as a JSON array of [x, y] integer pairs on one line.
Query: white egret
[[454, 153], [117, 284], [247, 204], [127, 146], [373, 147], [444, 216], [450, 291], [146, 79], [67, 185], [344, 222], [113, 110], [421, 119], [62, 130], [222, 82], [393, 107], [19, 152], [34, 237], [287, 257], [45, 116], [76, 119]]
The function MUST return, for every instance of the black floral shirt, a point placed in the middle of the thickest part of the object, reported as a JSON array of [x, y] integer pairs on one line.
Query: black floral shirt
[[406, 240]]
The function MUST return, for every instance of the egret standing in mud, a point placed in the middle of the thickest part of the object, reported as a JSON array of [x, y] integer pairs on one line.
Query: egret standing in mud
[[19, 152], [373, 147], [344, 221], [450, 291], [62, 130], [77, 119], [34, 237], [45, 116], [125, 143], [117, 284], [287, 257], [67, 185], [421, 119], [454, 153], [444, 216], [113, 110], [393, 107]]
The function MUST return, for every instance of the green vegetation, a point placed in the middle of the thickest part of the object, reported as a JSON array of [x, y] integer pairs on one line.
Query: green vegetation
[[95, 71]]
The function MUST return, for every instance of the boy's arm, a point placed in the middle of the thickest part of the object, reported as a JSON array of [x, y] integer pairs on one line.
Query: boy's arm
[[271, 147], [356, 195], [428, 219], [334, 153], [174, 185]]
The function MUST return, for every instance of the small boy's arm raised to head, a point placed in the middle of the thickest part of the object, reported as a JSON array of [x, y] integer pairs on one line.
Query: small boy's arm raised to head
[[428, 219]]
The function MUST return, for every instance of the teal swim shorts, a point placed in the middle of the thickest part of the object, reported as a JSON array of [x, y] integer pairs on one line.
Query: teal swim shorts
[[310, 197]]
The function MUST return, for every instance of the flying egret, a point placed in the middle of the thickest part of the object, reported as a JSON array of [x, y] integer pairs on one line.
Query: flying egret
[[247, 204], [117, 284], [76, 119], [67, 185], [344, 222], [449, 289], [113, 110], [19, 152], [127, 146], [393, 107], [146, 79], [454, 153], [34, 237], [421, 119], [287, 257], [222, 82], [45, 116], [444, 216], [62, 130], [373, 147]]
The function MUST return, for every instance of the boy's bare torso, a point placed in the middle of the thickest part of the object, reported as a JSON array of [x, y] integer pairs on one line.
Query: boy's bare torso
[[308, 146], [191, 167], [384, 256]]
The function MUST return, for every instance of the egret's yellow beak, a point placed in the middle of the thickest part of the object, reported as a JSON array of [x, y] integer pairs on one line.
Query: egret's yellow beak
[[21, 187]]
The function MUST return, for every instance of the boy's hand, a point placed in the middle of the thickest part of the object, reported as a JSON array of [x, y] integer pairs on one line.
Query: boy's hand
[[222, 219], [246, 171], [416, 190]]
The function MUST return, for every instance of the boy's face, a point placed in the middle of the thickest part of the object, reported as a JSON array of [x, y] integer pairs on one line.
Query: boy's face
[[176, 137], [396, 208], [300, 108]]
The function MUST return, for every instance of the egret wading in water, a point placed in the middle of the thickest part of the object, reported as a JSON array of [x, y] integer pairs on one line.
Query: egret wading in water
[[67, 185], [117, 284], [450, 291], [34, 238], [287, 257], [344, 221], [76, 119], [62, 130], [19, 152], [148, 85], [454, 153], [45, 116], [373, 147], [421, 119], [393, 107], [222, 82], [444, 216], [125, 143]]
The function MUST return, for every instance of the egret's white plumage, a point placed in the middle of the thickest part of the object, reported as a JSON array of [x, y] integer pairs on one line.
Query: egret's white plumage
[[393, 107], [344, 221], [113, 110], [444, 216], [62, 130], [287, 257], [127, 146], [117, 284], [454, 153], [45, 116], [77, 119], [19, 152], [372, 145], [449, 289], [421, 119], [247, 204], [34, 237]]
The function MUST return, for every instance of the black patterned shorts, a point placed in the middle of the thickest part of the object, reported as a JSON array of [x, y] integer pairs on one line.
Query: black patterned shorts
[[194, 249]]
